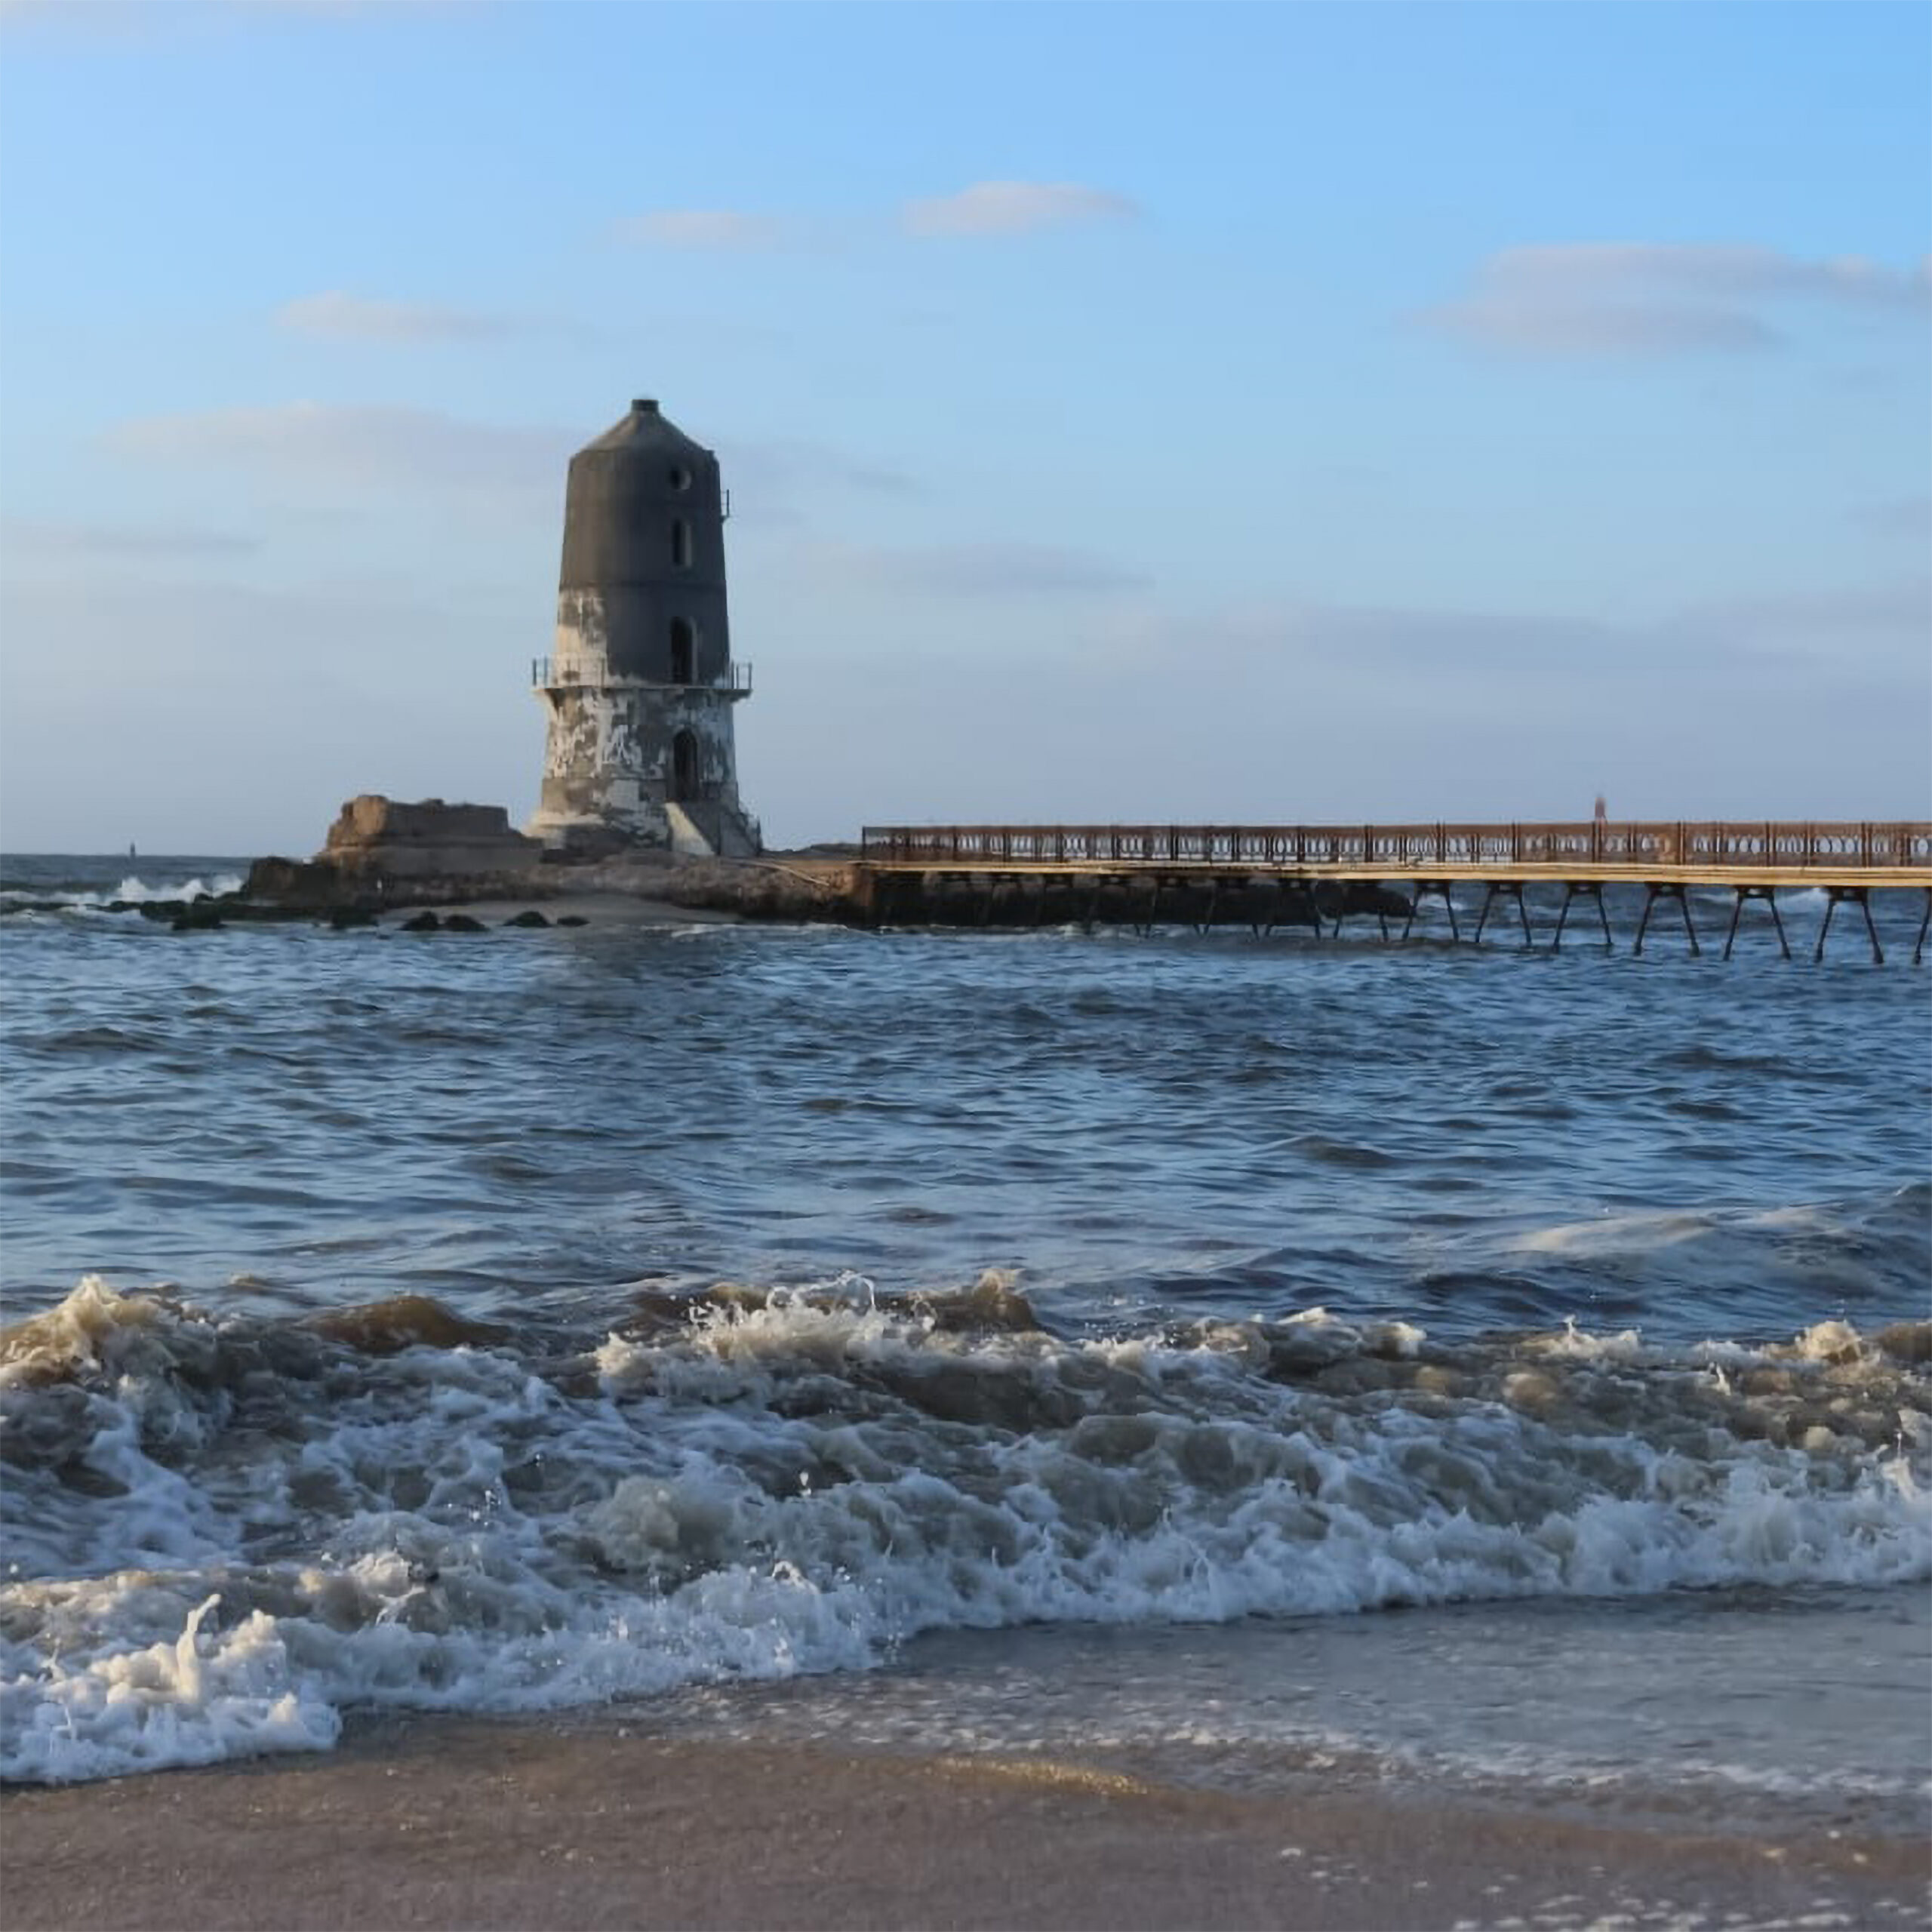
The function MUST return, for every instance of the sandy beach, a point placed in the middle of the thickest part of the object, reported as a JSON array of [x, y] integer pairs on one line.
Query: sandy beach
[[474, 1823]]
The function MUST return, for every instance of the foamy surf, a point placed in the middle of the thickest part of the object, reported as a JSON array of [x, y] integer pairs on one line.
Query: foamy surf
[[223, 1532], [132, 891]]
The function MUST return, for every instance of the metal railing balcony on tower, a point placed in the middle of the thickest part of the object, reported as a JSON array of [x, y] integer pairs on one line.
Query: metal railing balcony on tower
[[552, 674]]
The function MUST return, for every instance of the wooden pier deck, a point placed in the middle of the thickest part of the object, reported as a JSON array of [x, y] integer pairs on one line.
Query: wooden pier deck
[[1318, 872]]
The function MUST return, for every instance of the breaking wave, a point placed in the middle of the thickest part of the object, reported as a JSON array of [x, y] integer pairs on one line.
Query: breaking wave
[[226, 1531]]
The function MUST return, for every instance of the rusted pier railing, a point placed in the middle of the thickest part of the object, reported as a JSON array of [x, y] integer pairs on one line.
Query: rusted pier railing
[[1218, 874]]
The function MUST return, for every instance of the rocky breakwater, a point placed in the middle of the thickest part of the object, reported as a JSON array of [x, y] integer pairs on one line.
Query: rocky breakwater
[[381, 855], [785, 886]]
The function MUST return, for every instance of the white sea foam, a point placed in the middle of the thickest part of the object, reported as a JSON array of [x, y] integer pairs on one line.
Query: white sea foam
[[269, 1530], [1644, 1233], [132, 891]]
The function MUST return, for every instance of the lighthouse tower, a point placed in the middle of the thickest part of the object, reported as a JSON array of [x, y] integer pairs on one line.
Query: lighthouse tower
[[640, 684]]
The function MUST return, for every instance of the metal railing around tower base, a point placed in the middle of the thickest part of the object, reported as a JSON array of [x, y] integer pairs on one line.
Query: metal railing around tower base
[[550, 674]]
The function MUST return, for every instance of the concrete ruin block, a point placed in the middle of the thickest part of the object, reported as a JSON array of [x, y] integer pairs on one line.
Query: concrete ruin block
[[384, 837]]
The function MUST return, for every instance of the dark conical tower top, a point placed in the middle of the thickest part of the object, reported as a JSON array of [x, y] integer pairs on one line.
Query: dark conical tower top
[[627, 494], [645, 424]]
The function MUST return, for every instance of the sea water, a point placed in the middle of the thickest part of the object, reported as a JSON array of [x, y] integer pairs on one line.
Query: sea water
[[1246, 1360]]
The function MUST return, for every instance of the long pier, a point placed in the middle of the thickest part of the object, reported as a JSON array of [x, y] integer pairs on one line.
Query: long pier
[[1267, 876]]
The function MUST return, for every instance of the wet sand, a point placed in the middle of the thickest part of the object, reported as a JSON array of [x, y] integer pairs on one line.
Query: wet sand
[[475, 1823]]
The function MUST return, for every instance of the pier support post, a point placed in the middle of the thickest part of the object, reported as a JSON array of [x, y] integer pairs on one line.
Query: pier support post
[[1768, 893], [1582, 889], [1507, 889], [1440, 888], [1918, 945], [1652, 893], [1861, 898]]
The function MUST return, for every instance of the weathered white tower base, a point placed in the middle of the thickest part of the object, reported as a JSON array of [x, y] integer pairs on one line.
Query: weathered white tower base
[[640, 685], [622, 757]]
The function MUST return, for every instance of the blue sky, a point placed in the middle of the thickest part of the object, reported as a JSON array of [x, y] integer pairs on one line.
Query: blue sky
[[1256, 412]]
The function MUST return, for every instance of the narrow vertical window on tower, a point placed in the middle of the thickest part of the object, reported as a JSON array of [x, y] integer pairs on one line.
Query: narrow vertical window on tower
[[682, 654], [681, 542]]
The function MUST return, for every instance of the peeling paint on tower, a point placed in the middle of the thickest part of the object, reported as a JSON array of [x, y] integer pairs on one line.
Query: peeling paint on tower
[[640, 683]]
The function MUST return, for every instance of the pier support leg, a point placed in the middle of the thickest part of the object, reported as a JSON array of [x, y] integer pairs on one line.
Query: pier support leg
[[1871, 930], [1652, 893], [1506, 890], [1440, 888], [1768, 893], [1585, 889], [1861, 898], [1918, 945]]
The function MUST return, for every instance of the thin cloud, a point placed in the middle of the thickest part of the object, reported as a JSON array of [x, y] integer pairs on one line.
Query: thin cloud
[[783, 469], [1695, 270], [1822, 621], [982, 570], [1908, 517], [143, 19], [1433, 647], [1656, 298], [1412, 643], [364, 445], [339, 315], [42, 540], [1781, 640], [1014, 207], [700, 229]]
